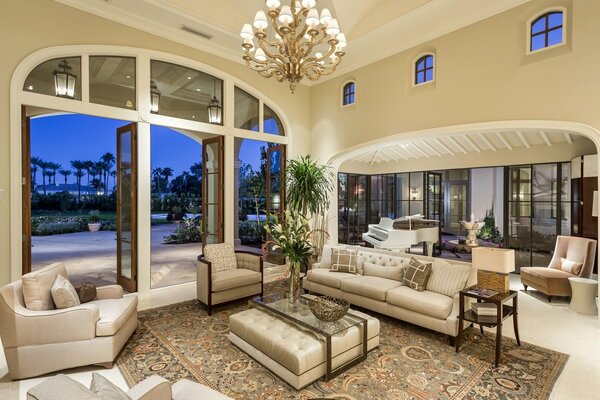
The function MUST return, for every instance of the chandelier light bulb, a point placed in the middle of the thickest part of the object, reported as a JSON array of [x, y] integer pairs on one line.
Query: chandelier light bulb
[[309, 3], [273, 3], [247, 32], [277, 36], [332, 27], [325, 16], [260, 55], [342, 42], [312, 19], [260, 21], [319, 55], [285, 15]]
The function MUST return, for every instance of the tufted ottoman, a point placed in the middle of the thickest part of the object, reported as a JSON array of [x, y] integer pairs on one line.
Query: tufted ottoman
[[294, 353]]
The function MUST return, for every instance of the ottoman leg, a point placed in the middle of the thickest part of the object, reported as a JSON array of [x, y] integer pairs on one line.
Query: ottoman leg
[[549, 299], [525, 286]]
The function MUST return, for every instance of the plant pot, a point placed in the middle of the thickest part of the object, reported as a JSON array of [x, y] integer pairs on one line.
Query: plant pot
[[95, 227]]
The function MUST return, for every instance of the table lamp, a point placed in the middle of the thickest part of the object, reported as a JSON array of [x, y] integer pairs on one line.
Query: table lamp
[[493, 267]]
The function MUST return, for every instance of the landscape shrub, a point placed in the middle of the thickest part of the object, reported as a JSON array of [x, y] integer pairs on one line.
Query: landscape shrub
[[252, 233], [188, 231]]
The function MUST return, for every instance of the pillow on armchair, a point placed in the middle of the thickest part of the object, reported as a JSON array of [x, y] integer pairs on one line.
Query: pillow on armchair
[[221, 256], [37, 285]]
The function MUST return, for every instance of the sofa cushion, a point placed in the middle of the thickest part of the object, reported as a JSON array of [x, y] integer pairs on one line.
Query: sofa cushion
[[63, 293], [37, 285], [572, 267], [188, 390], [373, 287], [328, 278], [447, 278], [395, 273], [234, 278], [427, 302], [60, 387], [105, 389], [114, 314], [221, 256], [417, 274]]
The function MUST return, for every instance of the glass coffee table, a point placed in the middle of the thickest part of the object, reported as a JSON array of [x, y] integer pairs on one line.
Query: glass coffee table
[[301, 316]]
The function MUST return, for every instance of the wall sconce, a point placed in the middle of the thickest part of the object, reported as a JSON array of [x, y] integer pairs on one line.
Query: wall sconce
[[154, 98], [414, 192], [64, 80]]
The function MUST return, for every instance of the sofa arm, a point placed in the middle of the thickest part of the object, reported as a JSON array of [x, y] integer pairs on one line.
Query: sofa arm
[[203, 279], [249, 260], [109, 292], [25, 327], [151, 388]]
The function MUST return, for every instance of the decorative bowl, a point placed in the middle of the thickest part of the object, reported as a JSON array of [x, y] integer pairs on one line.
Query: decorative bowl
[[328, 308]]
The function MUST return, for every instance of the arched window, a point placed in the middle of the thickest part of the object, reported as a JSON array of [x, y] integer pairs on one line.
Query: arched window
[[424, 69], [546, 31], [348, 94]]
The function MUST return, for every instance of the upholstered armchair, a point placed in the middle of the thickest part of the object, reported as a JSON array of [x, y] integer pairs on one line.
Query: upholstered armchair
[[553, 280], [38, 342], [225, 275]]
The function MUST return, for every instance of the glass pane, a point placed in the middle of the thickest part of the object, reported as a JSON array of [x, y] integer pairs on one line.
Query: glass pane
[[543, 234], [420, 77], [416, 186], [539, 25], [429, 61], [555, 37], [402, 208], [246, 110], [416, 207], [566, 182], [184, 92], [212, 219], [272, 122], [402, 187], [544, 185], [429, 75], [125, 207], [112, 81], [42, 79], [555, 19], [538, 42], [565, 225]]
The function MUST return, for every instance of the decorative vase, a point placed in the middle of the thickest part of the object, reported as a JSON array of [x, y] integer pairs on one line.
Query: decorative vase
[[294, 293]]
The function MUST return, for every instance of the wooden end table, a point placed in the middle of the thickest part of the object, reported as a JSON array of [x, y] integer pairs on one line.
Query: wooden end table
[[504, 311]]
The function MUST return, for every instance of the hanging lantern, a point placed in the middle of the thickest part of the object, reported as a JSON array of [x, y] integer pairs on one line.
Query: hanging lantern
[[215, 111], [154, 98], [64, 80]]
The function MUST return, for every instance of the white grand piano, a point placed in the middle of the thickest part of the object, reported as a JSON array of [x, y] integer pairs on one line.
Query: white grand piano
[[402, 233]]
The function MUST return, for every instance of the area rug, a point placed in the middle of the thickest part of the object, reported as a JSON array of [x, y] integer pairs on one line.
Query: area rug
[[182, 341]]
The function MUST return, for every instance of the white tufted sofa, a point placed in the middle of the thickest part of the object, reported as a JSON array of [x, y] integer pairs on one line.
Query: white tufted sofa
[[433, 308]]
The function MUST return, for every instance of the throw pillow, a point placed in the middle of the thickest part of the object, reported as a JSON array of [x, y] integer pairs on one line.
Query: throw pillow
[[37, 285], [571, 267], [343, 261], [60, 387], [86, 291], [447, 279], [105, 389], [221, 256], [63, 293], [391, 272], [417, 274]]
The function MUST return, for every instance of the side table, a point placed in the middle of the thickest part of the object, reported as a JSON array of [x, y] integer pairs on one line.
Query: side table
[[504, 311], [583, 298]]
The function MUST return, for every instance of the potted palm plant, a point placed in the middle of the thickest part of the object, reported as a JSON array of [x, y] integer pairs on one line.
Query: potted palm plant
[[94, 221]]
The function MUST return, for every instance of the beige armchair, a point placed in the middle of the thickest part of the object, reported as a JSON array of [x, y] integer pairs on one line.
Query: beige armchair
[[62, 387], [38, 342], [215, 288], [552, 280]]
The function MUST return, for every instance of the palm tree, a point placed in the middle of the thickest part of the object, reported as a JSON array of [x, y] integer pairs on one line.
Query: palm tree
[[35, 163], [156, 178], [47, 173], [98, 171], [167, 173], [65, 173], [109, 160], [196, 169], [53, 167], [44, 167], [87, 165], [113, 174], [79, 167]]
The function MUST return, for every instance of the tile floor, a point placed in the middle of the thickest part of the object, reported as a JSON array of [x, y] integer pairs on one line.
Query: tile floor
[[550, 325]]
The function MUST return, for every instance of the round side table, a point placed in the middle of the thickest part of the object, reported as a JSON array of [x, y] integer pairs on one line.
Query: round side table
[[584, 295]]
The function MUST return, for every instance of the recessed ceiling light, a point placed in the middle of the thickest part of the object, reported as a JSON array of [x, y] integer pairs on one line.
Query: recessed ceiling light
[[30, 87], [197, 90], [128, 76], [193, 117], [189, 77]]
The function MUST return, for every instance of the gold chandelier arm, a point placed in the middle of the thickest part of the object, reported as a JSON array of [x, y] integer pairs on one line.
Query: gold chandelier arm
[[267, 51]]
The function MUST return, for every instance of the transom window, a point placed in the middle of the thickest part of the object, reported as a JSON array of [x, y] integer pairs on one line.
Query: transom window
[[546, 31], [349, 91], [424, 69]]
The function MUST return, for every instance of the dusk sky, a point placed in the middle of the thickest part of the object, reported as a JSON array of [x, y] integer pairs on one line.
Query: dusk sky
[[80, 137]]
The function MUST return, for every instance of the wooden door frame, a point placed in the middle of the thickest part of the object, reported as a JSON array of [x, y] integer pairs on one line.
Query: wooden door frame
[[26, 190], [130, 284], [219, 140]]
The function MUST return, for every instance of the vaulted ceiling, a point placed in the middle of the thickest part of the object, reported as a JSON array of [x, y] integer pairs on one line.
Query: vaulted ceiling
[[375, 28]]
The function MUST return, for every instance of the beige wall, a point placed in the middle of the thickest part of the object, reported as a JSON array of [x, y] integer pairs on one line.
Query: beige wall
[[30, 25], [482, 75]]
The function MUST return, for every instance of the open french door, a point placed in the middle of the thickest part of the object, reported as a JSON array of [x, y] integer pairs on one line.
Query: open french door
[[26, 189], [275, 179], [127, 207], [212, 191]]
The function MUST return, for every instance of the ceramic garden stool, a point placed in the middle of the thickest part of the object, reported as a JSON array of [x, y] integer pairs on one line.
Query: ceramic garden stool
[[584, 295]]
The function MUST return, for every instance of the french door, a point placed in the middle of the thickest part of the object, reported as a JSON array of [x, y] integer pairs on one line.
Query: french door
[[275, 179], [433, 204], [127, 207], [212, 191], [26, 189]]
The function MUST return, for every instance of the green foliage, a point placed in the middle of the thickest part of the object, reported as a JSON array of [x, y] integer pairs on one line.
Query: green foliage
[[291, 237], [94, 217], [44, 226], [252, 232], [309, 186], [188, 231], [490, 231]]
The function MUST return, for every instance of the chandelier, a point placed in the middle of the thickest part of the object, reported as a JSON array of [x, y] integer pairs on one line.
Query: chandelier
[[296, 43]]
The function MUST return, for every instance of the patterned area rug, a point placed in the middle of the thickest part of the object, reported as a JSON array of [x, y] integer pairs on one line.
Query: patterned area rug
[[181, 341]]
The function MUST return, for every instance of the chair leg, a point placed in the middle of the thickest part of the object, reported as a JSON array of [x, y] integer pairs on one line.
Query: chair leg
[[452, 340], [209, 310], [525, 286], [549, 299]]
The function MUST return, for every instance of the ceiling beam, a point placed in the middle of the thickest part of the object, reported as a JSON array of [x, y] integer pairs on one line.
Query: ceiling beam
[[363, 157], [486, 141], [393, 157], [454, 142], [434, 151], [405, 148], [568, 138], [471, 143], [546, 138], [443, 146], [419, 150], [523, 140], [374, 157], [503, 140], [397, 152]]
